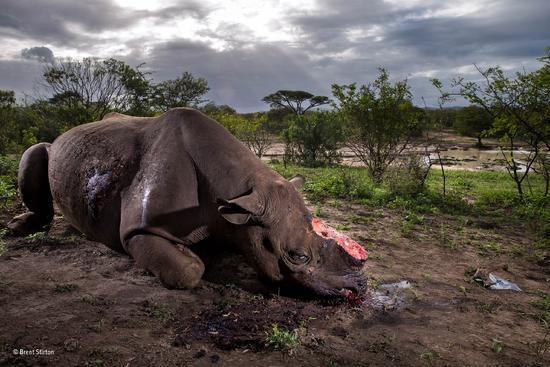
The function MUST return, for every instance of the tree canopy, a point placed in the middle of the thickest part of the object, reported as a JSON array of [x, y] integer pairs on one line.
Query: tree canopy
[[95, 84], [520, 111], [295, 101], [185, 91], [473, 121], [380, 120]]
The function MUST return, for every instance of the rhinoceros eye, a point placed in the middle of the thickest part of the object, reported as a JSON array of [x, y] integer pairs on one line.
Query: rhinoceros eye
[[297, 257]]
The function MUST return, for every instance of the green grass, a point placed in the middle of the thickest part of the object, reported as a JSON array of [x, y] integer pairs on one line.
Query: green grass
[[497, 346], [8, 179], [487, 188], [156, 311], [281, 339], [8, 191], [489, 249], [331, 182], [467, 192], [37, 237], [543, 304], [3, 245]]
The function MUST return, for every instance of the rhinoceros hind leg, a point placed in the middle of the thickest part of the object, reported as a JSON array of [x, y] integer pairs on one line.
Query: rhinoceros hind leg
[[176, 267], [35, 191]]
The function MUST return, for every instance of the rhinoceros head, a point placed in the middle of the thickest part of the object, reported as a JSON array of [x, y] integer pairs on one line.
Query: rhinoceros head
[[272, 227]]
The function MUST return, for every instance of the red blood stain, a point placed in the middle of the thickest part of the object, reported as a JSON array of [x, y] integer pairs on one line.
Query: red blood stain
[[352, 299]]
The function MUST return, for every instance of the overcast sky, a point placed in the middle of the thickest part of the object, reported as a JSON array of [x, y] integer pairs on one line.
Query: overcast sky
[[247, 49]]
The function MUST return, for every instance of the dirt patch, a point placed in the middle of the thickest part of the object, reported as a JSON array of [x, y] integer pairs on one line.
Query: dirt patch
[[91, 306], [246, 325]]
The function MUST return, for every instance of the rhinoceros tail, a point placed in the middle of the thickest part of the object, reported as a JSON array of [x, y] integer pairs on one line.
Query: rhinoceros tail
[[35, 191]]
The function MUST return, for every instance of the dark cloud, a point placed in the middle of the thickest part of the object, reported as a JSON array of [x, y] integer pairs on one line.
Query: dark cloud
[[42, 54], [19, 75], [411, 43], [49, 21], [340, 42], [58, 21], [239, 77], [471, 38]]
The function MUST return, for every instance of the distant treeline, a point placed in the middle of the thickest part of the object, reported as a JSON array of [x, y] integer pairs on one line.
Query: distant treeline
[[377, 121]]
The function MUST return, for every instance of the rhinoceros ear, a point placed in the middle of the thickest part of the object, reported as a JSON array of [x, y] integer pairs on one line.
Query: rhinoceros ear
[[298, 181], [240, 209]]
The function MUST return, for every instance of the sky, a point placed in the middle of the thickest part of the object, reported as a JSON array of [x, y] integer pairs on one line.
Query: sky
[[247, 49]]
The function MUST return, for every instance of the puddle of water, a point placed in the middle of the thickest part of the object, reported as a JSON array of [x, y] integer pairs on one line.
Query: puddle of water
[[389, 296], [471, 158]]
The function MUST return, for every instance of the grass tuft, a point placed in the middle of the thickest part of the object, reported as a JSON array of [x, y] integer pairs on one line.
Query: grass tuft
[[281, 339]]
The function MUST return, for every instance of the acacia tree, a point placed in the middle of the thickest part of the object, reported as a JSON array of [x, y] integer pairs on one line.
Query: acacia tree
[[97, 85], [185, 91], [380, 121], [296, 101]]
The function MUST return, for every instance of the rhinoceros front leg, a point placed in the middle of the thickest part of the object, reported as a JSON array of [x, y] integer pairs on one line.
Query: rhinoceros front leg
[[176, 266]]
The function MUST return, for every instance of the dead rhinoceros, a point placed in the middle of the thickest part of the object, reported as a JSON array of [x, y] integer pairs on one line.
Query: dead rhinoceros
[[156, 187]]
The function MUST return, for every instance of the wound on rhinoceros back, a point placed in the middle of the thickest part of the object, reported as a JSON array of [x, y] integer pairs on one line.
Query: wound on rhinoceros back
[[350, 246]]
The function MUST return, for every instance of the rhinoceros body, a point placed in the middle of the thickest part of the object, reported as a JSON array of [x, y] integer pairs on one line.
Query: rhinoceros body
[[156, 187]]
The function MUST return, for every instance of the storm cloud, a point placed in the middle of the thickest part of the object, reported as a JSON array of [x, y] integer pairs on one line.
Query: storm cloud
[[42, 54], [247, 51]]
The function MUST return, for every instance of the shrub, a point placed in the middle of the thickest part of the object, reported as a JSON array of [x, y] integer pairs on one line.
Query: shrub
[[7, 192], [313, 139], [344, 183], [8, 179], [408, 178], [380, 121], [254, 134], [8, 166], [537, 214]]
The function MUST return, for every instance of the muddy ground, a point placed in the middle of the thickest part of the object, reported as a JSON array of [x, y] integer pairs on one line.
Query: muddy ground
[[82, 304], [457, 152]]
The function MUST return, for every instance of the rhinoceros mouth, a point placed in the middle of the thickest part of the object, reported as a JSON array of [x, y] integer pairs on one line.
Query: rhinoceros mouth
[[351, 247]]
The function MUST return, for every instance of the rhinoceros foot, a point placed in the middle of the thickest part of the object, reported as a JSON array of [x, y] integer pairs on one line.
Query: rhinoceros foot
[[28, 223]]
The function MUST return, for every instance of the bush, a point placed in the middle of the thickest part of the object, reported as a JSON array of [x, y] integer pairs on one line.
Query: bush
[[8, 166], [473, 121], [380, 121], [8, 179], [7, 192], [536, 211], [408, 178], [313, 139], [346, 183], [254, 134]]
